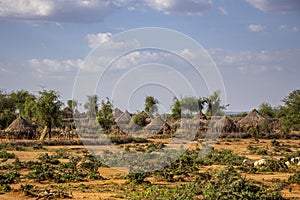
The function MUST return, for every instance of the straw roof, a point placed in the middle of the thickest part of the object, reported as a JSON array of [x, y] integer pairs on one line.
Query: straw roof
[[252, 119], [199, 115], [21, 128], [124, 118], [117, 113], [155, 124], [225, 125]]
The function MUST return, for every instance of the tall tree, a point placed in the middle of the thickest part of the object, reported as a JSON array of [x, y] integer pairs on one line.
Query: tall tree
[[176, 109], [91, 106], [214, 106], [48, 112], [29, 109], [151, 105], [105, 115], [72, 103], [267, 110], [290, 112]]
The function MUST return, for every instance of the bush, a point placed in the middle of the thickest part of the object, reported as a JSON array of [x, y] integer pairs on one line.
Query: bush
[[136, 178], [5, 155], [295, 178]]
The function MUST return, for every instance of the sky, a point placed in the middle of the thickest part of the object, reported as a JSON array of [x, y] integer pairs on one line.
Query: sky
[[253, 46]]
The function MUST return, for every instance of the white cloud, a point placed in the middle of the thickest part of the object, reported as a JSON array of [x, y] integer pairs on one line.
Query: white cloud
[[52, 66], [257, 61], [285, 27], [89, 11], [276, 6], [108, 42], [223, 10], [94, 40], [295, 29], [256, 28], [189, 7], [81, 11]]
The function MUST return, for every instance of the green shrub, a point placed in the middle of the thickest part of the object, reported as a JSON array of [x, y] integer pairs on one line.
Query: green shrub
[[295, 178]]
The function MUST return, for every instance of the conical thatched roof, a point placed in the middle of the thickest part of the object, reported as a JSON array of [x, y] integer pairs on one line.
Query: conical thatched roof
[[117, 113], [156, 123], [225, 125], [252, 119], [124, 118], [199, 115], [21, 128]]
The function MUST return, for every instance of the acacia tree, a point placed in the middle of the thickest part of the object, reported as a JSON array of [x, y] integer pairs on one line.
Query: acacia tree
[[105, 115], [290, 112], [176, 109], [29, 108], [151, 105], [48, 112], [214, 106], [267, 110], [91, 106]]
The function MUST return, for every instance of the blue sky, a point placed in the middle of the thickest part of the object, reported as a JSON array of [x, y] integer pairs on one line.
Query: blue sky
[[254, 43]]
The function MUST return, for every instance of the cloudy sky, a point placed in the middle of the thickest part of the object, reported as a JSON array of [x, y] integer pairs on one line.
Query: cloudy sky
[[255, 44]]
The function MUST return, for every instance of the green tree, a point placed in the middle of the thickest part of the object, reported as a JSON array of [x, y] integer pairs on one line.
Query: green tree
[[29, 108], [192, 104], [290, 113], [267, 110], [151, 105], [214, 106], [73, 104], [176, 109], [105, 115], [48, 112], [91, 106], [7, 110], [19, 98]]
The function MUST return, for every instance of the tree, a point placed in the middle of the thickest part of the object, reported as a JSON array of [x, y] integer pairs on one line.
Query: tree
[[48, 112], [91, 106], [73, 104], [151, 105], [29, 109], [190, 104], [105, 115], [176, 109], [7, 110], [214, 106], [267, 110], [290, 113], [18, 98]]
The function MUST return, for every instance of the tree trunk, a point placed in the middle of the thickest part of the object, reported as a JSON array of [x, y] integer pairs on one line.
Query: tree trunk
[[44, 133]]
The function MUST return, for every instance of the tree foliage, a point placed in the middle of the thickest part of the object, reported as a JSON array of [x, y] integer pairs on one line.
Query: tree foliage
[[105, 115], [267, 110], [214, 106], [151, 105], [176, 109], [48, 112], [290, 112], [91, 106]]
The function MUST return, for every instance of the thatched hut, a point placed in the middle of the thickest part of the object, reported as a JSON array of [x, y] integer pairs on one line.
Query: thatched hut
[[155, 126], [253, 119], [225, 125], [117, 113], [124, 118], [200, 115], [20, 129]]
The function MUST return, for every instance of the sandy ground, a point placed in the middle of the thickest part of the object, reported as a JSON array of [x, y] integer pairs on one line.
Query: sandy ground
[[116, 176]]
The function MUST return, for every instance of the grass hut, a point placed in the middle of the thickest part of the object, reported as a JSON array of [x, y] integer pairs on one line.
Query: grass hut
[[117, 113], [155, 126], [225, 125], [253, 119], [124, 118], [21, 129], [200, 115]]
